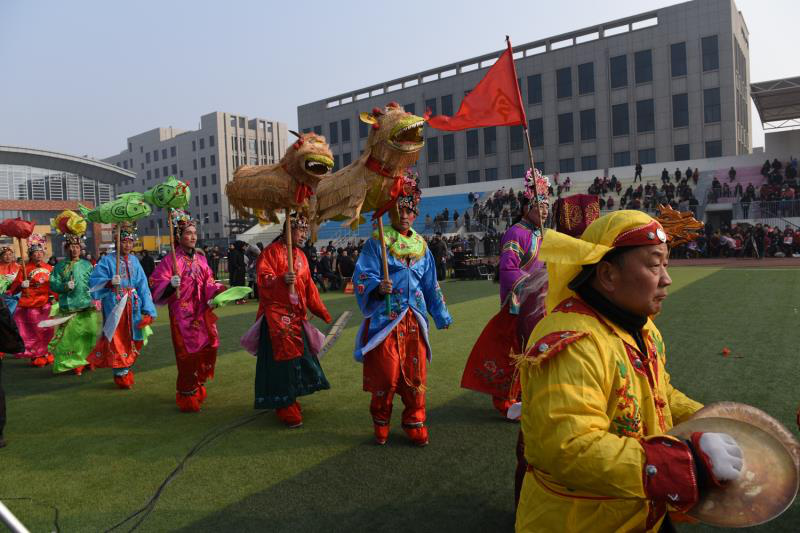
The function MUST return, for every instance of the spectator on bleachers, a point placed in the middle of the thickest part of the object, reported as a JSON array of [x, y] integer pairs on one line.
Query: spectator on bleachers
[[766, 168], [664, 176], [776, 165], [467, 221], [696, 175], [567, 184], [726, 191], [689, 173], [637, 172], [738, 192], [732, 174], [610, 203], [455, 220], [677, 175]]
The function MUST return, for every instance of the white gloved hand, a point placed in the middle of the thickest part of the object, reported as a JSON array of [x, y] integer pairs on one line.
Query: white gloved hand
[[515, 411], [115, 281], [175, 281], [25, 284], [724, 454], [70, 284]]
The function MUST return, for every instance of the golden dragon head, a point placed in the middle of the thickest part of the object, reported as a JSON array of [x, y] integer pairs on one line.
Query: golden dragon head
[[395, 137], [309, 159]]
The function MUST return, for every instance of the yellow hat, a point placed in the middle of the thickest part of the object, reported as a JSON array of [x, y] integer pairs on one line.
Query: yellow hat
[[565, 256]]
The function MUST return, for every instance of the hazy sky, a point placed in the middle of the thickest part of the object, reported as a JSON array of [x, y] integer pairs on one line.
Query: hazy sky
[[81, 76]]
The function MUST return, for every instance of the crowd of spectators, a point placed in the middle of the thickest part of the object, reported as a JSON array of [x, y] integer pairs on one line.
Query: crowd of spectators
[[781, 187], [743, 240]]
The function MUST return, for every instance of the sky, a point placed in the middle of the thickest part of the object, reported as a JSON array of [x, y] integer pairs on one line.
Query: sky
[[82, 76]]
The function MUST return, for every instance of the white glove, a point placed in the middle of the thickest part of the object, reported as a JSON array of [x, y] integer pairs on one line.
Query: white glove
[[115, 281], [70, 284], [26, 284], [175, 281], [515, 411], [724, 454]]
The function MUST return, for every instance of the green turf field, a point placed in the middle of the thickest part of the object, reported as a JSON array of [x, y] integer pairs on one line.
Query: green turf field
[[98, 453]]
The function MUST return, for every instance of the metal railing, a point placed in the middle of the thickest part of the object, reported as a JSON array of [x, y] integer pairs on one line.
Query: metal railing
[[773, 212]]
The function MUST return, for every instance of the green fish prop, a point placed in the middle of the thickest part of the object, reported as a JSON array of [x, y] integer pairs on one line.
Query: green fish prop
[[231, 295], [127, 207], [173, 193]]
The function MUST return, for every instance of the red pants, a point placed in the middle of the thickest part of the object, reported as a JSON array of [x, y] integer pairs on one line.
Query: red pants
[[398, 365], [194, 369]]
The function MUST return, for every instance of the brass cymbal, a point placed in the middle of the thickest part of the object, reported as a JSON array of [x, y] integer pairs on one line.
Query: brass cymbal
[[768, 484]]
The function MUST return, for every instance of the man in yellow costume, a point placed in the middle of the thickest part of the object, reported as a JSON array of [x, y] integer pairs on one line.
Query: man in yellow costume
[[597, 399]]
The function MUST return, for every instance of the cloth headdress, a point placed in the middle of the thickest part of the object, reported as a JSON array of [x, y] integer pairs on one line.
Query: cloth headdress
[[411, 194], [71, 225], [4, 249], [573, 214], [127, 231], [298, 221], [180, 221], [566, 256], [536, 184], [36, 243]]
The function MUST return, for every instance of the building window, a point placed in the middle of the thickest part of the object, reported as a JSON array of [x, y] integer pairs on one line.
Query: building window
[[489, 140], [491, 174], [212, 160], [619, 120], [448, 147], [540, 166], [619, 71], [710, 53], [536, 130], [346, 129], [333, 132], [677, 56], [535, 89], [347, 158], [155, 155], [163, 153], [317, 130], [336, 163], [205, 199], [157, 173], [433, 149], [647, 156], [589, 162], [214, 198], [681, 152], [202, 143], [430, 104], [645, 116], [711, 107], [714, 149], [363, 131], [588, 128], [517, 171], [203, 181], [515, 137], [449, 179], [149, 177], [410, 108], [622, 159], [680, 110], [147, 158], [210, 140], [564, 82], [565, 131], [213, 179], [197, 201], [447, 109], [165, 172], [643, 66], [566, 165], [433, 181], [202, 162], [473, 176], [216, 219], [586, 78], [472, 143], [194, 146], [174, 169]]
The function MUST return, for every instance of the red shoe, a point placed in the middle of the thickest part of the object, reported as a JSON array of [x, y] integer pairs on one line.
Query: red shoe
[[381, 433], [39, 362], [188, 403], [203, 394], [418, 435], [50, 359], [78, 370], [291, 415], [126, 381]]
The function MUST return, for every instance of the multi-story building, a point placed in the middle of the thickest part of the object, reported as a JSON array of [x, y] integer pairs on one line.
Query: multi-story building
[[669, 84], [206, 159]]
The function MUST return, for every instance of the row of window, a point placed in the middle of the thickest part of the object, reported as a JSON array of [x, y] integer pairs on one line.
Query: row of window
[[588, 162]]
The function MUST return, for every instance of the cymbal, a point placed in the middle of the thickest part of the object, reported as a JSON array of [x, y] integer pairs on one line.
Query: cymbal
[[768, 483]]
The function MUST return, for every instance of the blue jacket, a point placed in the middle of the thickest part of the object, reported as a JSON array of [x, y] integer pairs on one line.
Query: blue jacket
[[414, 287], [132, 278]]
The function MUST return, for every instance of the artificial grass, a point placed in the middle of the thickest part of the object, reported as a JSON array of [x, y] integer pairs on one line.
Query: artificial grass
[[98, 453]]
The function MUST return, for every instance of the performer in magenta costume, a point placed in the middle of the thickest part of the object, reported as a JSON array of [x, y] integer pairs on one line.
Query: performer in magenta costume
[[188, 293], [523, 284]]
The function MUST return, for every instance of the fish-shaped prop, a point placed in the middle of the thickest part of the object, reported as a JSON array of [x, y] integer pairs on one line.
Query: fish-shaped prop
[[54, 322], [231, 295], [126, 208], [16, 227], [173, 193], [69, 222]]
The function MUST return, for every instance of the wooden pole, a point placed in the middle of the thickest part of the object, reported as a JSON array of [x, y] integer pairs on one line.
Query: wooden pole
[[385, 264], [119, 252], [172, 246], [536, 201], [290, 253], [22, 256]]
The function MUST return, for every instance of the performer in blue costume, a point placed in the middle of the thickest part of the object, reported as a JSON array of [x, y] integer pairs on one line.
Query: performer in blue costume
[[109, 286], [393, 345]]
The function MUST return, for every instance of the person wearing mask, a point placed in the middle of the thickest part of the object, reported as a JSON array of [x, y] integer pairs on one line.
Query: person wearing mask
[[135, 314], [187, 287]]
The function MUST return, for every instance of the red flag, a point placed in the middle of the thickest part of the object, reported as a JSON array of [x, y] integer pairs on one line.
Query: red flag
[[495, 101]]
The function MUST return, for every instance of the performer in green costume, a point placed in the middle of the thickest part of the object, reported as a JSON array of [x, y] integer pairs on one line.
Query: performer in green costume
[[76, 336]]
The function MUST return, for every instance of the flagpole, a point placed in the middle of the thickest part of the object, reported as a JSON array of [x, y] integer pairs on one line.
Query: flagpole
[[538, 204]]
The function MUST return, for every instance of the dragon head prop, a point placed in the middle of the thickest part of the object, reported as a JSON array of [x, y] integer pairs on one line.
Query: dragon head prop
[[395, 138], [680, 227], [309, 159]]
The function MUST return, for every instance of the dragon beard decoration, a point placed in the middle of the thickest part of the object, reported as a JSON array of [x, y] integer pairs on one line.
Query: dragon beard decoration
[[680, 227], [374, 180], [260, 191]]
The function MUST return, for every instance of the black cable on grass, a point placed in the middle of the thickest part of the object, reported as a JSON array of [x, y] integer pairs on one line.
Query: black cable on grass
[[33, 500], [142, 514]]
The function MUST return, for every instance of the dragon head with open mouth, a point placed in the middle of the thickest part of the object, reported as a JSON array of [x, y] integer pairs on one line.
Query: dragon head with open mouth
[[309, 159], [396, 135]]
